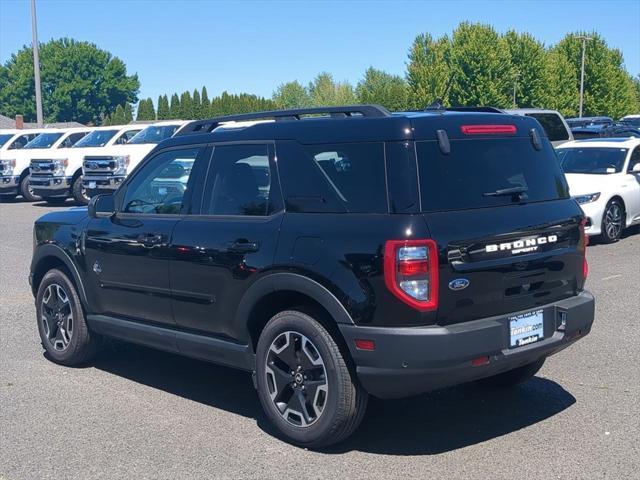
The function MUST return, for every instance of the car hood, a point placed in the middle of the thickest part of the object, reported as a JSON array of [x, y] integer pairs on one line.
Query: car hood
[[69, 216], [581, 184]]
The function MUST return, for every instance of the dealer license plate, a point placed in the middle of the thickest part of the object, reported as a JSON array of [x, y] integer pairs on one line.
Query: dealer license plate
[[526, 328]]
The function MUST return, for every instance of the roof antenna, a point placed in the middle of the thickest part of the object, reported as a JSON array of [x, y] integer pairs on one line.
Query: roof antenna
[[436, 105]]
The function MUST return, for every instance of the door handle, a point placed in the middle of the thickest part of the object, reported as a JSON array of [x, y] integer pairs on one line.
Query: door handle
[[150, 240], [243, 246]]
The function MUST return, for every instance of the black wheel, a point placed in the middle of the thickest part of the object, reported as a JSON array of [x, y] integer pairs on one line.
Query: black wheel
[[26, 191], [55, 200], [304, 384], [613, 222], [79, 192], [515, 376], [61, 323]]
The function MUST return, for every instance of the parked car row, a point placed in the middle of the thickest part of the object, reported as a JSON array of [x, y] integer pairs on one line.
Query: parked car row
[[55, 164]]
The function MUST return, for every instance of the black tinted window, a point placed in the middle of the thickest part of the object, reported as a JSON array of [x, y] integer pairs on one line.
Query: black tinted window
[[160, 185], [71, 140], [22, 140], [552, 125], [475, 168], [240, 182]]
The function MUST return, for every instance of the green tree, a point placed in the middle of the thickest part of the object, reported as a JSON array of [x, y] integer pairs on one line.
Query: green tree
[[291, 95], [325, 92], [174, 108], [128, 113], [480, 66], [186, 106], [206, 103], [79, 82], [429, 73], [197, 112], [608, 87], [163, 108], [528, 63], [560, 79], [118, 116], [384, 89], [145, 110]]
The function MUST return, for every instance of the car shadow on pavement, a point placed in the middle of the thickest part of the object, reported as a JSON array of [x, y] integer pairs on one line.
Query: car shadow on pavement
[[428, 424]]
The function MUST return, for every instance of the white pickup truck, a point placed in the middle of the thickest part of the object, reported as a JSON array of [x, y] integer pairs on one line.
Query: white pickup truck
[[105, 170], [18, 147], [59, 176]]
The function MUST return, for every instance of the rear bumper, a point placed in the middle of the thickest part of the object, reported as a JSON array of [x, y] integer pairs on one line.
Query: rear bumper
[[96, 184], [50, 186], [9, 185], [409, 361]]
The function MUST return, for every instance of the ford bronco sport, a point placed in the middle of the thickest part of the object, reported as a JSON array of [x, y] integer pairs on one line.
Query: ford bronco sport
[[335, 253]]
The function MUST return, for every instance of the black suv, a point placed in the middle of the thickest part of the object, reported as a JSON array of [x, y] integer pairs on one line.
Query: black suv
[[333, 252]]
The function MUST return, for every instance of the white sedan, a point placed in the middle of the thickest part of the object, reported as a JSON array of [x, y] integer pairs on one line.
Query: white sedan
[[604, 178]]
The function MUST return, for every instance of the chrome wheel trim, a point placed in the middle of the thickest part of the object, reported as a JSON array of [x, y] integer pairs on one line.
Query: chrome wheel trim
[[613, 221], [296, 379], [56, 317]]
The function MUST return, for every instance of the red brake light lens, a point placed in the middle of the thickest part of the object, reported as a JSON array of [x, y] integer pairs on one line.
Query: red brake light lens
[[489, 129], [411, 272], [363, 344]]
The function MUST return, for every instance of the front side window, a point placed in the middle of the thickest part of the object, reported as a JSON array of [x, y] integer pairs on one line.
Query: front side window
[[22, 140], [71, 139], [44, 140], [240, 182], [154, 134], [126, 136], [97, 138], [635, 159], [160, 185], [592, 161], [552, 125]]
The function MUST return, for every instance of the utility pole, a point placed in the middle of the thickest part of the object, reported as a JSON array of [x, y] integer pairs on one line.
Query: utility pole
[[515, 86], [584, 39], [36, 64]]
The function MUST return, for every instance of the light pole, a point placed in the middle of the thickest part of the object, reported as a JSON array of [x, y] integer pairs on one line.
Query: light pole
[[515, 86], [36, 64], [584, 39]]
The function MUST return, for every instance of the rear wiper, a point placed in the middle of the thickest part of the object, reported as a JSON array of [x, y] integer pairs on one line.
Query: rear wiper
[[516, 192]]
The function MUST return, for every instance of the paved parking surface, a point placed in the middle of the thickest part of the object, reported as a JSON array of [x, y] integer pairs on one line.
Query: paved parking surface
[[137, 413]]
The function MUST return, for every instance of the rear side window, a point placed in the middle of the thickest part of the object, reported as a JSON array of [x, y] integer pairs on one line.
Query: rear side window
[[345, 177], [470, 175], [552, 125]]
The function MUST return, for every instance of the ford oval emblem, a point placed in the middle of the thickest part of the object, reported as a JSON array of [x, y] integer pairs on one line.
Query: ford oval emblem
[[459, 284]]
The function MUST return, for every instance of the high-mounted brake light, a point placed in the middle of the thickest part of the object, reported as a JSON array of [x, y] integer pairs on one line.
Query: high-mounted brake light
[[488, 129], [411, 272]]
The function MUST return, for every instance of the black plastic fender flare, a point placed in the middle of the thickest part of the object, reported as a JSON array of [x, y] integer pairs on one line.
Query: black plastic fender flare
[[52, 250]]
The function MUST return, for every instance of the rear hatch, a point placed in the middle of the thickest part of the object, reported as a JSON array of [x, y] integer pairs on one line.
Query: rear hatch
[[497, 205]]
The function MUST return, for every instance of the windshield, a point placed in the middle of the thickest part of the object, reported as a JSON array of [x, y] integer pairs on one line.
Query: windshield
[[4, 138], [154, 134], [97, 138], [594, 161], [44, 140]]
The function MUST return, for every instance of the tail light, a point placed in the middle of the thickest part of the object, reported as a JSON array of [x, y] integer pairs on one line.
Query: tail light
[[411, 272], [488, 129], [585, 241]]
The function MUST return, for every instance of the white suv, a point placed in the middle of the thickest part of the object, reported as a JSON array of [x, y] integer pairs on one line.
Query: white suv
[[554, 124], [604, 178], [15, 159], [104, 171], [60, 176]]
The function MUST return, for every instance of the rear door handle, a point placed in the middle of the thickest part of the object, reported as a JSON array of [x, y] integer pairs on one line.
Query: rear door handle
[[150, 240], [243, 246]]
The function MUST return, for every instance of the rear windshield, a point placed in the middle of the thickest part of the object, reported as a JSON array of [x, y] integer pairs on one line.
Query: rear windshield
[[154, 134], [552, 125], [5, 137], [474, 172], [97, 138], [44, 140], [592, 161]]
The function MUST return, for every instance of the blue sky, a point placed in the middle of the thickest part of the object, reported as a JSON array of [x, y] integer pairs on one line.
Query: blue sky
[[254, 46]]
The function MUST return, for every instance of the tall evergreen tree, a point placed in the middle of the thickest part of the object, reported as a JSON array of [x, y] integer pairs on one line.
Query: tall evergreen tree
[[118, 116], [145, 111], [174, 108], [163, 107], [384, 89], [206, 103], [324, 91], [186, 106], [197, 112], [128, 113]]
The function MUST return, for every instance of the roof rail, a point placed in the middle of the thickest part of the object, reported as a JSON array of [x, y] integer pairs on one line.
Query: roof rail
[[210, 124]]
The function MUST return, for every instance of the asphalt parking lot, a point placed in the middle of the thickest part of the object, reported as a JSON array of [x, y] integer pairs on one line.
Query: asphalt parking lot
[[138, 413]]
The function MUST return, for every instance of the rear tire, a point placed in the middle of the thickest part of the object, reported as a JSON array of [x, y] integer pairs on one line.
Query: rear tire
[[55, 200], [613, 222], [515, 376], [79, 192], [26, 192], [304, 384], [61, 323]]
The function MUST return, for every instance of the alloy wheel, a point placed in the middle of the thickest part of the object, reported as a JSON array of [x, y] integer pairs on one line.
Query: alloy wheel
[[57, 317], [296, 379], [613, 221]]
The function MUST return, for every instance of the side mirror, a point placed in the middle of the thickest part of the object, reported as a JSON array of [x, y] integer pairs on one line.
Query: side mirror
[[636, 168], [102, 205]]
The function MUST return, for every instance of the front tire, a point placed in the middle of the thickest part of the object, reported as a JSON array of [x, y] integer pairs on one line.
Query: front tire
[[61, 323], [515, 376], [304, 384], [26, 191], [612, 222], [79, 192]]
